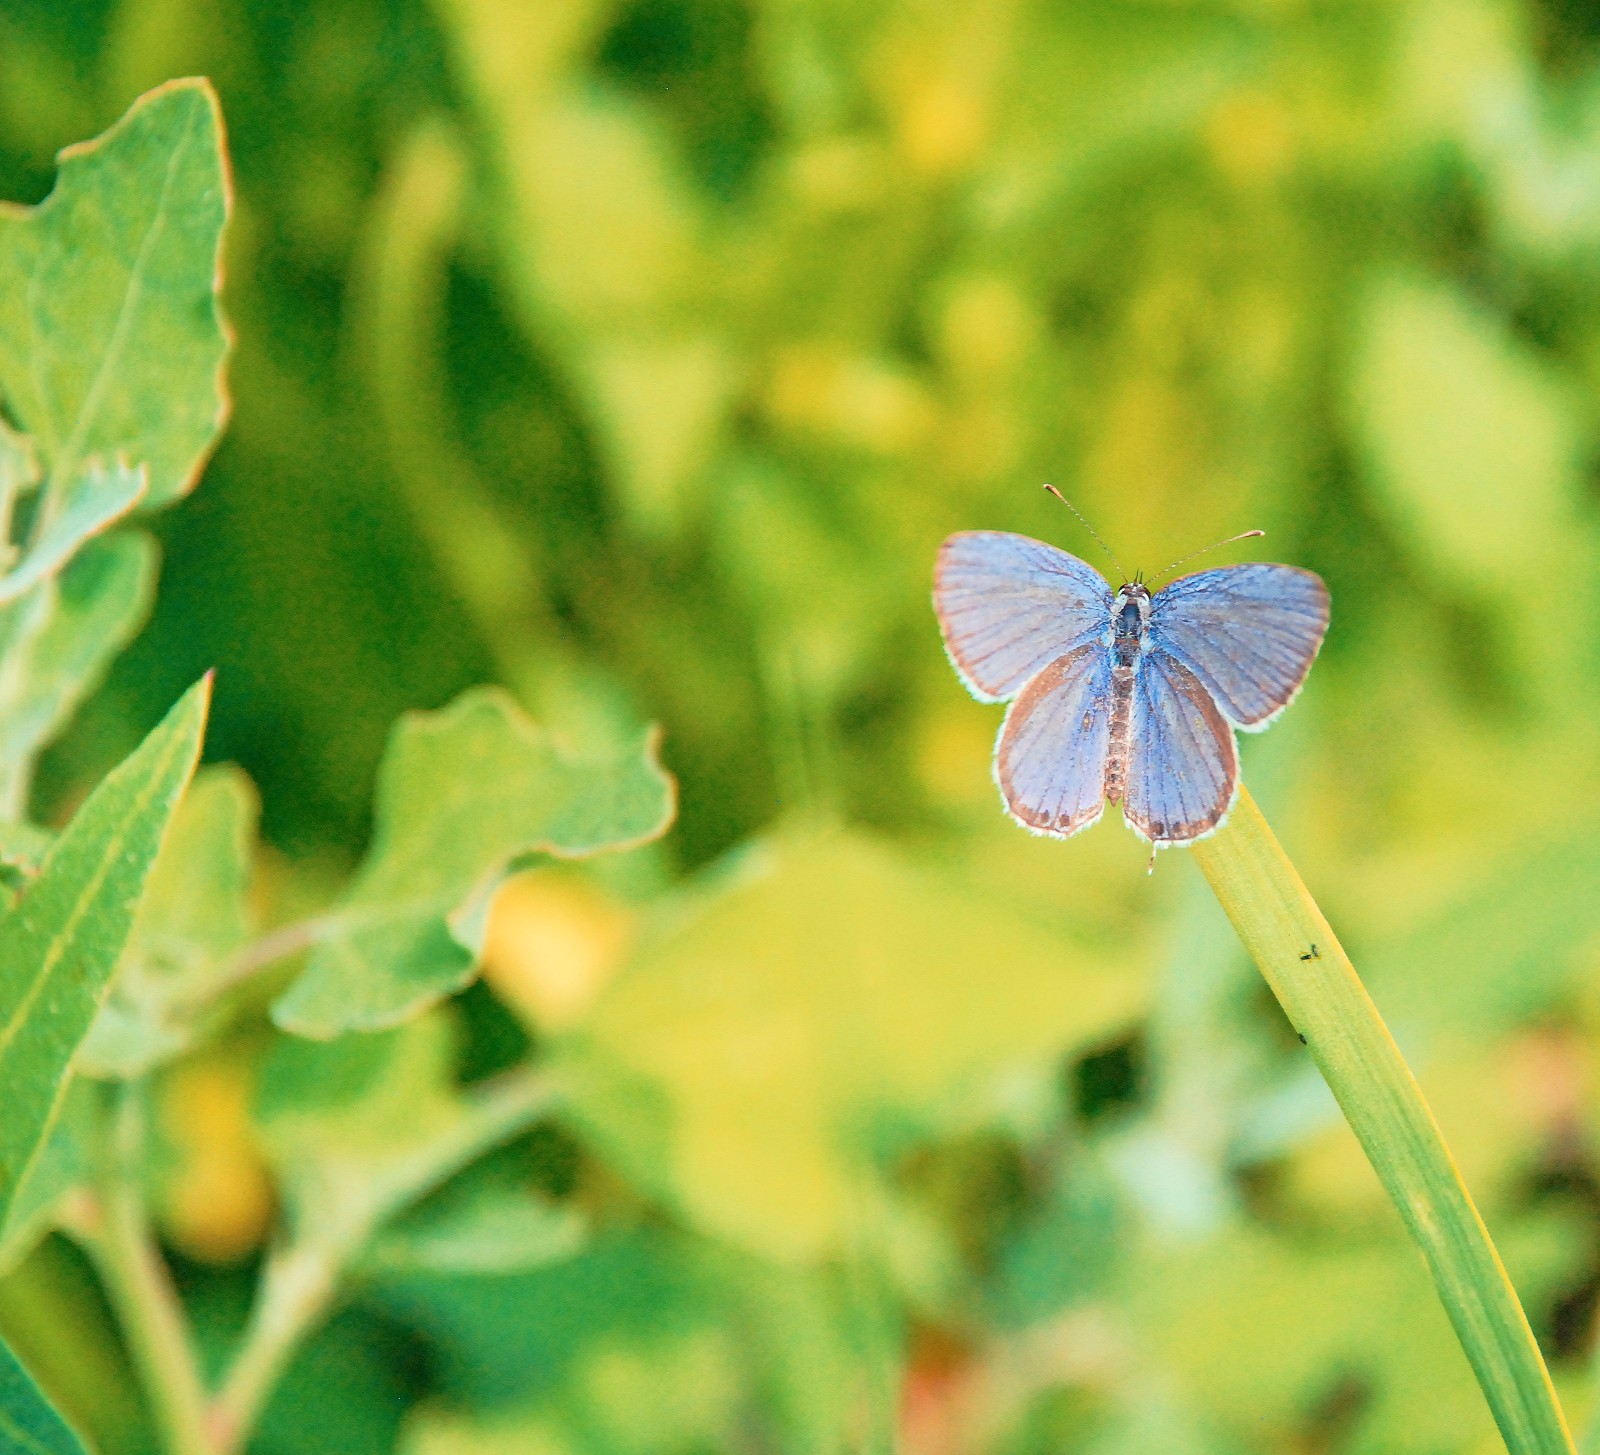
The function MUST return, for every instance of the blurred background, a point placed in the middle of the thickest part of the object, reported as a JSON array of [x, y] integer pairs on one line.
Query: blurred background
[[637, 354]]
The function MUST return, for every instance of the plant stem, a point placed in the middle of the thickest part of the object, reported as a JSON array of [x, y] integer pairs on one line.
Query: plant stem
[[1326, 1003], [302, 1276], [297, 1289], [273, 946], [113, 1227]]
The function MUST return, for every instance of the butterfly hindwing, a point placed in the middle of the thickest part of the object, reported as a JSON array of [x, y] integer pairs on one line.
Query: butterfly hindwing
[[1008, 605], [1183, 764], [1050, 760], [1249, 633]]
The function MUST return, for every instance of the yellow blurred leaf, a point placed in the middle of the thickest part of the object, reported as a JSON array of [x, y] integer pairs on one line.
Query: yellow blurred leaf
[[1470, 440], [1260, 1330], [820, 387], [661, 403], [759, 1046]]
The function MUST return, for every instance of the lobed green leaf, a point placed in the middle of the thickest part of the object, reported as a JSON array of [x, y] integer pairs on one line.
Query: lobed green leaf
[[462, 794], [111, 338]]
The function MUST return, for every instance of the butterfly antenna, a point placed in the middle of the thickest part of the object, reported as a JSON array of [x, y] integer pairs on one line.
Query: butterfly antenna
[[1243, 535], [1092, 531]]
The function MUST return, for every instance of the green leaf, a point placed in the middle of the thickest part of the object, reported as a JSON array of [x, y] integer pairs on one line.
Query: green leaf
[[462, 794], [194, 917], [85, 504], [61, 941], [480, 1223], [111, 339], [649, 1341], [335, 1119], [1502, 951], [63, 1164], [19, 471], [23, 846], [357, 1131], [359, 1127], [22, 850], [28, 1423], [57, 643], [761, 1050]]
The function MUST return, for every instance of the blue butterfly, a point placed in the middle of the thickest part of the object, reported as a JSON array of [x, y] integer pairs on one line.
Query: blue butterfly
[[1129, 697]]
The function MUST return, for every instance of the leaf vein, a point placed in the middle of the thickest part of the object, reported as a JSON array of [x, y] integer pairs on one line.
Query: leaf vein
[[66, 460]]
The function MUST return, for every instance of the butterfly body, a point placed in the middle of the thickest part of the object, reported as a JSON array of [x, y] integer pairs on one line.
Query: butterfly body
[[1128, 697], [1130, 617]]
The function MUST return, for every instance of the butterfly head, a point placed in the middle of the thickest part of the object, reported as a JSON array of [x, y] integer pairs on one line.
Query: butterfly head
[[1130, 612]]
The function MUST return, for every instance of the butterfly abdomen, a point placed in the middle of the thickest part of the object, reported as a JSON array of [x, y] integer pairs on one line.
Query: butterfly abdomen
[[1121, 733], [1130, 626]]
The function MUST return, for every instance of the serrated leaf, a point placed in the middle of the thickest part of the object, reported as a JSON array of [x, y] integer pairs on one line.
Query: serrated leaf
[[60, 942], [111, 338], [746, 1060], [462, 794], [57, 641], [29, 1424], [194, 917]]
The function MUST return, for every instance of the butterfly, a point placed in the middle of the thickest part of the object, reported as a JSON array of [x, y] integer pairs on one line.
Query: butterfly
[[1127, 697]]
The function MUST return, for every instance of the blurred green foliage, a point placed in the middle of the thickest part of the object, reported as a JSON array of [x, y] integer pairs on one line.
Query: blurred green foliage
[[637, 356]]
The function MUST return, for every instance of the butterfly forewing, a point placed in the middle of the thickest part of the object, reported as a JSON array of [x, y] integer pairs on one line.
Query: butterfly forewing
[[1009, 605], [1050, 761], [1183, 765], [1249, 633]]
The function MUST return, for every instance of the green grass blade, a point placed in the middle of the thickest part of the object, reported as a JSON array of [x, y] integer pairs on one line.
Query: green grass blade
[[1324, 999]]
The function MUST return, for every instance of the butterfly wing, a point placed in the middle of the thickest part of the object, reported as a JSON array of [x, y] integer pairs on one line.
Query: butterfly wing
[[1249, 633], [1183, 765], [1050, 760], [1009, 605]]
